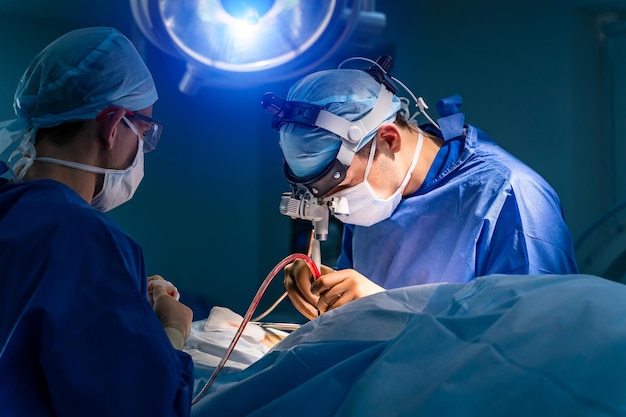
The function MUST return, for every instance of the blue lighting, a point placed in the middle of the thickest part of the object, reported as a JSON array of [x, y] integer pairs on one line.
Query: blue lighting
[[248, 11], [211, 34], [239, 42]]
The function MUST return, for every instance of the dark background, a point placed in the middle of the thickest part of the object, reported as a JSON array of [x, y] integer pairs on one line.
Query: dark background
[[543, 78]]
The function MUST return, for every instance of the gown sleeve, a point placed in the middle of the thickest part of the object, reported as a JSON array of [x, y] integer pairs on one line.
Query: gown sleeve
[[345, 257], [103, 350], [527, 238]]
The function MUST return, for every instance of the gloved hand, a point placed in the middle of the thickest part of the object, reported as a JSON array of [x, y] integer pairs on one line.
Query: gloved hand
[[159, 280], [338, 288], [174, 316], [297, 280]]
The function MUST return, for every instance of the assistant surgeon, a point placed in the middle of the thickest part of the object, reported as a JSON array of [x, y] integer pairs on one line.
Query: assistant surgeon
[[83, 331]]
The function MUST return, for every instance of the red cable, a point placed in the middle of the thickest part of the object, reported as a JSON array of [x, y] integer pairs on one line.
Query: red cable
[[246, 318]]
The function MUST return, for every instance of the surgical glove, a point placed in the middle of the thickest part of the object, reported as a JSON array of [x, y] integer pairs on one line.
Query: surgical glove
[[174, 316], [159, 280], [338, 288], [297, 280]]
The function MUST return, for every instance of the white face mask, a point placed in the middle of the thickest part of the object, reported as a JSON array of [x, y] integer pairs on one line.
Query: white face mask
[[365, 208], [119, 184]]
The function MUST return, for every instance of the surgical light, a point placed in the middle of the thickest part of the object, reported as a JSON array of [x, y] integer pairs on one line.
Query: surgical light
[[240, 43], [249, 11]]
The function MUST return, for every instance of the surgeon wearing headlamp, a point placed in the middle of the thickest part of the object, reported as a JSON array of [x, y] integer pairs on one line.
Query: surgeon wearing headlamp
[[437, 202]]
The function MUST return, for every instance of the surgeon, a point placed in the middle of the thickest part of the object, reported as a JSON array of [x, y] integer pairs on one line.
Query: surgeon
[[438, 202], [83, 331]]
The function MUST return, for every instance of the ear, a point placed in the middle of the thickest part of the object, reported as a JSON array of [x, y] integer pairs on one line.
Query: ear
[[390, 134], [108, 127]]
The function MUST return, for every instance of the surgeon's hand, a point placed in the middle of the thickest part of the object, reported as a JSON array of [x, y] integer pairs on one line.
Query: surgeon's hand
[[298, 279], [338, 288], [174, 316], [159, 280]]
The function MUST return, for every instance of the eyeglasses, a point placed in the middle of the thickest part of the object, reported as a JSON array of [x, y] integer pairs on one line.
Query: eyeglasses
[[151, 134]]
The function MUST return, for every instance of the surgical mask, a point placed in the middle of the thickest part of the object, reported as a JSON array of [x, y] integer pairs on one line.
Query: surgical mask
[[364, 206], [119, 184]]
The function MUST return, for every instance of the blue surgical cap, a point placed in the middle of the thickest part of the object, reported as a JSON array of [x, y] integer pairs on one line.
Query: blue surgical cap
[[74, 78], [349, 93]]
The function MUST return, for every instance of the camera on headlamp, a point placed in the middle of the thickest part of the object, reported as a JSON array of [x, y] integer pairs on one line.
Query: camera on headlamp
[[301, 204]]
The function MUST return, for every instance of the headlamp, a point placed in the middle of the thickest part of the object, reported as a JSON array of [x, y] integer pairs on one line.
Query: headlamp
[[350, 132]]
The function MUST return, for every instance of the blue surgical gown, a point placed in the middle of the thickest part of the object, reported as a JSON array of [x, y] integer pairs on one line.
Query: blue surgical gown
[[480, 211], [78, 336]]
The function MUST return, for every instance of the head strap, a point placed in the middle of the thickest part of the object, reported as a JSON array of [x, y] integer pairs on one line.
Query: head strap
[[352, 133]]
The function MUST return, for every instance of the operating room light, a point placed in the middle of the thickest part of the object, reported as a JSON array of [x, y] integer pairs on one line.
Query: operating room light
[[249, 11], [237, 43]]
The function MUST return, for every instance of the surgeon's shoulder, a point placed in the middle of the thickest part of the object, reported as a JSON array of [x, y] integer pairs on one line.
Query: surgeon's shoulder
[[62, 206], [532, 194], [504, 164]]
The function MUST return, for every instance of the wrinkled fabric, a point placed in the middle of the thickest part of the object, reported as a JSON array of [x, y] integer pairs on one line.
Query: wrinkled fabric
[[78, 336], [76, 77], [348, 93], [484, 213], [80, 74], [210, 339], [540, 345]]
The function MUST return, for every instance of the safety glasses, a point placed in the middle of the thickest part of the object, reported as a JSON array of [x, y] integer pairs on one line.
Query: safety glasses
[[150, 127]]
